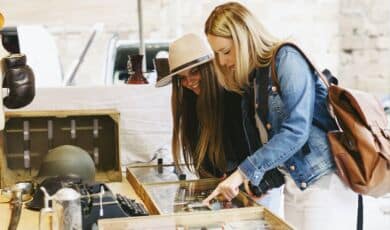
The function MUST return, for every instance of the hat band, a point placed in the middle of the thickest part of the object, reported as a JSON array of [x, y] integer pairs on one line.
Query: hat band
[[180, 67]]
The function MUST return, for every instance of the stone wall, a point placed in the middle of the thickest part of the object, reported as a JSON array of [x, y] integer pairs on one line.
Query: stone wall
[[350, 37]]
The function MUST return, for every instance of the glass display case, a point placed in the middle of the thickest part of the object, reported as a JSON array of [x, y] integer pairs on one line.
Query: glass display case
[[187, 196]]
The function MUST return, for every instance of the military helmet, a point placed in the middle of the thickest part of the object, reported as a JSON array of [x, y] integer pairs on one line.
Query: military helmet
[[67, 160]]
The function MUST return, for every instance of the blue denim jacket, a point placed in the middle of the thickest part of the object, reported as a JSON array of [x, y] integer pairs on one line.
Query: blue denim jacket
[[298, 120]]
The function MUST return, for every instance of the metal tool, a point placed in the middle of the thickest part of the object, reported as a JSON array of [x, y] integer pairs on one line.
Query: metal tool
[[101, 213], [18, 193]]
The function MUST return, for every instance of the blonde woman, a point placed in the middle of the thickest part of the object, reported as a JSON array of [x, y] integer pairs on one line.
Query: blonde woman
[[293, 129], [207, 121]]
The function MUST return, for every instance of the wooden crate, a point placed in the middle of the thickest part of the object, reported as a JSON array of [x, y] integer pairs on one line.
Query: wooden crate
[[246, 218], [88, 129]]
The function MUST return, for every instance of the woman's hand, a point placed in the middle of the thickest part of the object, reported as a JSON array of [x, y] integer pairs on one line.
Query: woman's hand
[[228, 188], [250, 193]]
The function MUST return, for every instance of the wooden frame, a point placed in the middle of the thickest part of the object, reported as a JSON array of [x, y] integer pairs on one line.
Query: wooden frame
[[12, 141], [222, 219]]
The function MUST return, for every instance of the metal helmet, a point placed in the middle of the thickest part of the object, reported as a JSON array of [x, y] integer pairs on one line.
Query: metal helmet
[[67, 160]]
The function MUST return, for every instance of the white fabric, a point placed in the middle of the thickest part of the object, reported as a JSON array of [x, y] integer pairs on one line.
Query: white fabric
[[42, 55], [145, 113], [328, 204], [273, 201]]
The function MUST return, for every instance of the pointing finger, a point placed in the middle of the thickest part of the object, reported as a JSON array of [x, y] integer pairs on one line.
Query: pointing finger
[[215, 193]]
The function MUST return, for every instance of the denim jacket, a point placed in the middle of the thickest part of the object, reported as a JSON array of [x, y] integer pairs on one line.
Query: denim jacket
[[297, 123]]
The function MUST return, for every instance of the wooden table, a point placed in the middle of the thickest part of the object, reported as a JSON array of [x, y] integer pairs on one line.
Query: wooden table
[[30, 219]]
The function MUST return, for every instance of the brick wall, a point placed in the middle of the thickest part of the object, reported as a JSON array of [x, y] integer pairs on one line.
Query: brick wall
[[351, 37], [365, 45]]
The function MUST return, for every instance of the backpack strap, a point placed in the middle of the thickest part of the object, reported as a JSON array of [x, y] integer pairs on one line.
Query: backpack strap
[[275, 81]]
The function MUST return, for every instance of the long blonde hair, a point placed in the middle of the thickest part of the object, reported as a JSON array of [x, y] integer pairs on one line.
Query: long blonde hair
[[198, 123], [254, 46]]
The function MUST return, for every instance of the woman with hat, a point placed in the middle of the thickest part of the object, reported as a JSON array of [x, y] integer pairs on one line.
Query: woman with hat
[[207, 122]]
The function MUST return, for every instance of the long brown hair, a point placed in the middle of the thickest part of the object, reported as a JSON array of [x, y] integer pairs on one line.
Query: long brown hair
[[198, 123], [253, 43]]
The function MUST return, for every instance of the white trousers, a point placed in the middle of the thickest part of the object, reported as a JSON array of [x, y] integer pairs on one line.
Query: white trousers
[[273, 200], [326, 204]]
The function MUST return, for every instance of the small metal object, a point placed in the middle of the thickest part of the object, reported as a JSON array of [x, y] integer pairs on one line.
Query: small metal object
[[67, 206], [198, 205], [26, 144], [16, 209], [160, 167], [46, 214], [101, 213], [19, 192], [73, 130], [95, 141], [50, 134], [182, 176]]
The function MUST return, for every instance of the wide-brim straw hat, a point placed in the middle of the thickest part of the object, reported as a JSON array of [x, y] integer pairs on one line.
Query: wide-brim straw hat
[[185, 53]]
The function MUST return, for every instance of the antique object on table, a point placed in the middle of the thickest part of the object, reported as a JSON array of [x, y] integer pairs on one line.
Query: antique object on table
[[187, 196], [255, 218], [19, 79], [134, 68], [50, 129], [97, 200], [66, 207], [67, 160], [18, 193], [140, 175]]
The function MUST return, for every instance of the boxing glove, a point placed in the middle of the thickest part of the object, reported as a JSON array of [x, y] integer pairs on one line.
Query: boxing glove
[[19, 79]]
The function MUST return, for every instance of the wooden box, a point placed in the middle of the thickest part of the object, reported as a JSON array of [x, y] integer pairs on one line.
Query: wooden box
[[186, 196], [247, 218], [28, 135], [142, 174]]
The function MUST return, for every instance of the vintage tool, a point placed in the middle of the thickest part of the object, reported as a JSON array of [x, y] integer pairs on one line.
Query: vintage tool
[[96, 201], [46, 215], [66, 208], [26, 187], [18, 193], [101, 212], [131, 207]]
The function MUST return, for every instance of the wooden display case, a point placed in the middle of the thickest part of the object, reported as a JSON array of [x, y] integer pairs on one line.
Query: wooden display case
[[256, 218], [187, 196], [142, 174], [28, 135]]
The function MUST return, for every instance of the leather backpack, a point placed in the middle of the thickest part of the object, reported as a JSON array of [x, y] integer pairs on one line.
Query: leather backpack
[[361, 145]]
